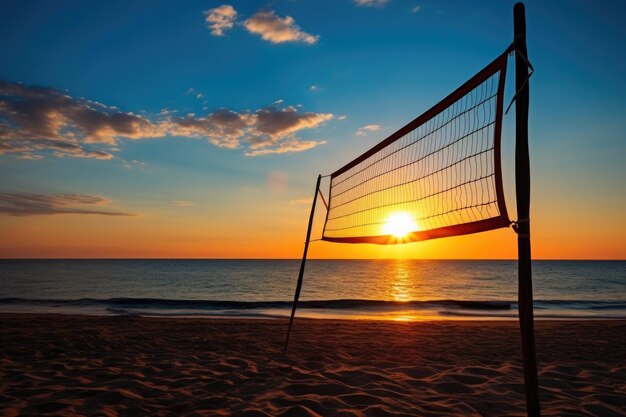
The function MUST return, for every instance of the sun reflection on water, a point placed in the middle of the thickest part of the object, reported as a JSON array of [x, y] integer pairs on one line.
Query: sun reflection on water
[[404, 286], [400, 289]]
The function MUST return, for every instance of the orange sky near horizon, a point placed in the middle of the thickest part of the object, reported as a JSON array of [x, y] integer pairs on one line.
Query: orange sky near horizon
[[276, 230]]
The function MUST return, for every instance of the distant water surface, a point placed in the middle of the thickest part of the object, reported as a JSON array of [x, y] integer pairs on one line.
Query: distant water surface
[[355, 289]]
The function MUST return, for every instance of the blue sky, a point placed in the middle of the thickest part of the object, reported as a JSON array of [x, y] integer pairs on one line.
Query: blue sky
[[348, 66]]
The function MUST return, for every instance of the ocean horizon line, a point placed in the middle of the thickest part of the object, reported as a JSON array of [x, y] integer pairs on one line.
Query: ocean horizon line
[[299, 259]]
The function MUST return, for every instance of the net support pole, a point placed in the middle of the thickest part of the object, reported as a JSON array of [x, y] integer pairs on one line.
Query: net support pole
[[302, 264], [522, 187]]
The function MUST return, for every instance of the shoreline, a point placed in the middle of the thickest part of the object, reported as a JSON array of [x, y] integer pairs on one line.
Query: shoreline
[[129, 365], [284, 319], [400, 319], [332, 309]]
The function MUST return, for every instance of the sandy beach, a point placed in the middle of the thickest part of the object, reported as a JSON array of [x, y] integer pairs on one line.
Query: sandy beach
[[82, 365]]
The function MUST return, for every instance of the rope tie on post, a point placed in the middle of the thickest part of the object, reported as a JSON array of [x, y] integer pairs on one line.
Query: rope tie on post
[[528, 65], [515, 227]]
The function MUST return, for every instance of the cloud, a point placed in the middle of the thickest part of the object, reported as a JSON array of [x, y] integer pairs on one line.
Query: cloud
[[300, 201], [31, 204], [192, 91], [133, 163], [371, 3], [314, 88], [220, 19], [32, 157], [367, 128], [288, 146], [275, 29], [223, 128], [416, 9], [269, 130], [37, 121], [276, 122], [182, 203]]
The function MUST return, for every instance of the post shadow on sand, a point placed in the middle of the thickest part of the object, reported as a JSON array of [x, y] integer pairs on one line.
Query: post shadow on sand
[[522, 188]]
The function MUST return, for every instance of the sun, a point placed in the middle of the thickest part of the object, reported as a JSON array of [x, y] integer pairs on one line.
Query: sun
[[399, 224]]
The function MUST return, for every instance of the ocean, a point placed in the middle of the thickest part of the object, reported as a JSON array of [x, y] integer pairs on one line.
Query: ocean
[[350, 289]]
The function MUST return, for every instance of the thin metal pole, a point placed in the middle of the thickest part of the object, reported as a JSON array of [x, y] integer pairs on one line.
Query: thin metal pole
[[522, 187], [301, 274]]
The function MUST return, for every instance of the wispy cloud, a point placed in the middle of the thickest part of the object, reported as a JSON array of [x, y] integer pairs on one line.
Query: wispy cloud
[[32, 204], [314, 88], [371, 3], [133, 163], [416, 9], [36, 121], [220, 19], [287, 146], [275, 29], [367, 128], [300, 201], [192, 91], [32, 157], [183, 203]]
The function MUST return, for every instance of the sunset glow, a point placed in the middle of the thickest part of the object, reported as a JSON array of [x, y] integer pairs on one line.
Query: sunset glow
[[399, 225]]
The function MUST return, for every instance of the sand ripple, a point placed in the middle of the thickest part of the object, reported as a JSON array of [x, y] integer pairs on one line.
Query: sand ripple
[[130, 366]]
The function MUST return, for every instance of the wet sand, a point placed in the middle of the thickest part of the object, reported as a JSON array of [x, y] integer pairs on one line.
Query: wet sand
[[130, 366]]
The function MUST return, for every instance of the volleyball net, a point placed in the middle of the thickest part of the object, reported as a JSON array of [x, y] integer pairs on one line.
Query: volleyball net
[[440, 175]]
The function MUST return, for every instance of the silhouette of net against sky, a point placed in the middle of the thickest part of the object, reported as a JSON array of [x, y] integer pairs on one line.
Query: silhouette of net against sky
[[441, 173]]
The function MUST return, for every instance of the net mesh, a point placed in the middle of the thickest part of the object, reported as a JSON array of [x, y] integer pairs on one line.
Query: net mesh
[[438, 176]]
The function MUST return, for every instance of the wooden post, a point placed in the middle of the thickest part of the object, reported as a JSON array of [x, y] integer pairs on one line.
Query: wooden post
[[522, 187], [301, 274]]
